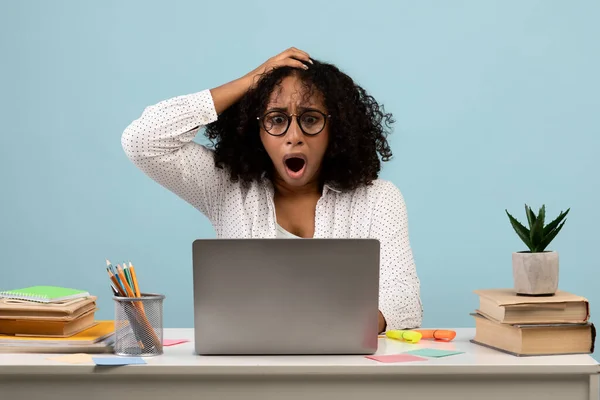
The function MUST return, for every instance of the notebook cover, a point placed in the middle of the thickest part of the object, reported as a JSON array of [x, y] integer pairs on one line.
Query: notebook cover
[[520, 354], [44, 294], [479, 314], [96, 333], [508, 297], [529, 324]]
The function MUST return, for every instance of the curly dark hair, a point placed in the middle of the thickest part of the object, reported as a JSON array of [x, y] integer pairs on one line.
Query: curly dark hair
[[358, 130]]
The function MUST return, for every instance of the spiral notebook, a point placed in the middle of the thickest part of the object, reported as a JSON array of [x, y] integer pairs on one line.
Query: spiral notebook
[[44, 294]]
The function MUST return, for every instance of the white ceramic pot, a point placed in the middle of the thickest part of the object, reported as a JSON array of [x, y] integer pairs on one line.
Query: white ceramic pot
[[535, 274]]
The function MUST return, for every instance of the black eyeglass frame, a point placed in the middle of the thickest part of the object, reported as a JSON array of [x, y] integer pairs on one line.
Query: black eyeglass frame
[[289, 121]]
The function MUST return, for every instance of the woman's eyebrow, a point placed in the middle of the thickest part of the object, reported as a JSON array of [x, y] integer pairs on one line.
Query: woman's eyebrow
[[299, 108], [277, 108], [309, 108]]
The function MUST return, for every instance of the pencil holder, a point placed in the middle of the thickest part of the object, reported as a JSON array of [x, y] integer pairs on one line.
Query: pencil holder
[[139, 325]]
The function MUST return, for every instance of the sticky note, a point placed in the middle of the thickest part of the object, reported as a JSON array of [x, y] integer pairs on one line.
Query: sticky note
[[118, 360], [395, 358], [433, 352], [78, 358], [173, 342]]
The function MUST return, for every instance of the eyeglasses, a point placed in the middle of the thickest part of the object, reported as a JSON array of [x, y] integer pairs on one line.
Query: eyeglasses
[[277, 123]]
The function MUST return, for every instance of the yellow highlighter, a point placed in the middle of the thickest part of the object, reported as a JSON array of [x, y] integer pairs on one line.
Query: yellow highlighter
[[407, 336]]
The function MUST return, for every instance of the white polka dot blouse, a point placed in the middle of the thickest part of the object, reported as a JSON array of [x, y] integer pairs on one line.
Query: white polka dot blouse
[[160, 143]]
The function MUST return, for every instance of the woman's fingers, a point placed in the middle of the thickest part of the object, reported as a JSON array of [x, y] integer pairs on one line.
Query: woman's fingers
[[299, 54], [291, 57], [291, 62], [293, 52]]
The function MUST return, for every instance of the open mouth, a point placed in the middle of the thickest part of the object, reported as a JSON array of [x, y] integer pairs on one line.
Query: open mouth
[[295, 164]]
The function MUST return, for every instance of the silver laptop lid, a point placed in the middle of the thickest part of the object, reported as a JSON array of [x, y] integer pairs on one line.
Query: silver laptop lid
[[282, 296]]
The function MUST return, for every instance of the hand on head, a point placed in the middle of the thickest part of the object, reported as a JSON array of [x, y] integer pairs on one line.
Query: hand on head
[[291, 57]]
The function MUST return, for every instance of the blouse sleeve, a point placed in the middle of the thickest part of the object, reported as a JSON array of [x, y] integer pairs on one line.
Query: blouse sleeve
[[399, 292], [160, 143]]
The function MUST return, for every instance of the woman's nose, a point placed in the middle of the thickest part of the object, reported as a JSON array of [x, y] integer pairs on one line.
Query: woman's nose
[[294, 134]]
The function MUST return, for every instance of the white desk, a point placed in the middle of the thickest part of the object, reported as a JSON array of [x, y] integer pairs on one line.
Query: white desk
[[479, 373]]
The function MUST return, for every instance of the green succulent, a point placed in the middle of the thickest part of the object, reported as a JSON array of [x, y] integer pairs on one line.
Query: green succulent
[[538, 236]]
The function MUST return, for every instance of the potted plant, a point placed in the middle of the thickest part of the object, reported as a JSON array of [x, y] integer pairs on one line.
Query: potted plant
[[535, 271]]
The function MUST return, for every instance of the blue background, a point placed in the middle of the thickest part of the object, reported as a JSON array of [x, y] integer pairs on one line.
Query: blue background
[[496, 105]]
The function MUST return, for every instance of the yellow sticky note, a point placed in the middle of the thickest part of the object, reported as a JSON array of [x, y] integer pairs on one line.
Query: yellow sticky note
[[78, 358]]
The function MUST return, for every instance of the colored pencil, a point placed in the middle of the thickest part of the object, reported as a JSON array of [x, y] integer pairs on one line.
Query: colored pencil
[[128, 277], [134, 278], [121, 286], [115, 283], [134, 286], [110, 266], [124, 281]]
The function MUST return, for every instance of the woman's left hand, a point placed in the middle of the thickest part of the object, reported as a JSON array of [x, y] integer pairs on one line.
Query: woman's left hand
[[381, 322]]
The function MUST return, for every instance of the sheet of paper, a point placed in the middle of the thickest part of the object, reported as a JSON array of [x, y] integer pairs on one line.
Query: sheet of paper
[[118, 360], [173, 342], [78, 358], [395, 358], [433, 352]]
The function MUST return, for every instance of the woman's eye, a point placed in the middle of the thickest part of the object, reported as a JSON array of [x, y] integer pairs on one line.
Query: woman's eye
[[309, 120], [278, 120]]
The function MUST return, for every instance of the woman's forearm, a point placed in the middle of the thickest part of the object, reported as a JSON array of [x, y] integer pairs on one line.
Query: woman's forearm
[[226, 95]]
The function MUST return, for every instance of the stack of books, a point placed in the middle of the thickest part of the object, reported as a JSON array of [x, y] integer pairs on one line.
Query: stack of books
[[52, 319], [533, 325]]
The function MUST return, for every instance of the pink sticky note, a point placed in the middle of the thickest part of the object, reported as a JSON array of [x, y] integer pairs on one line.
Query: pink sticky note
[[172, 342], [394, 358]]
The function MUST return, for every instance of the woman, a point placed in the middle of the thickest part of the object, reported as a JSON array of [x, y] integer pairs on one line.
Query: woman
[[296, 154]]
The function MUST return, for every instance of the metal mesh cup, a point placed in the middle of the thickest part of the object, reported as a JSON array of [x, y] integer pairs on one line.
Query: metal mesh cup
[[139, 325]]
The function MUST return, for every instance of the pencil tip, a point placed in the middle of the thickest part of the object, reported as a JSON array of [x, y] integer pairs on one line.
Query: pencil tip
[[107, 262]]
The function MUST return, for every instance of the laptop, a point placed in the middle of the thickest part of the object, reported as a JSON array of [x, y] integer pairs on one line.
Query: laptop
[[282, 296]]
